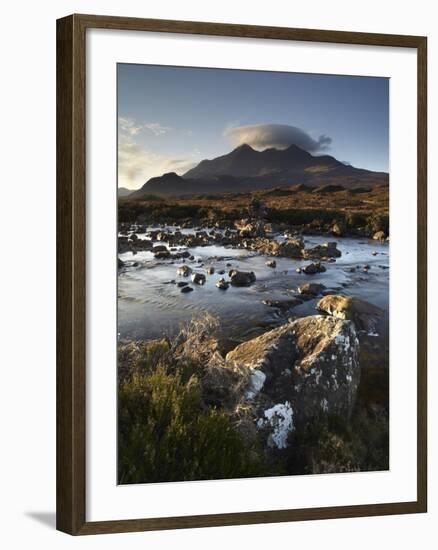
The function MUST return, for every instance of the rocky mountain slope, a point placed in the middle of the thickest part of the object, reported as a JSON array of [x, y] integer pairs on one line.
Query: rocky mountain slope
[[245, 169]]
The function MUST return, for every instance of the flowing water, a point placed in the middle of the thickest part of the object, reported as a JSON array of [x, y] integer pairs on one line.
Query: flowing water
[[150, 303]]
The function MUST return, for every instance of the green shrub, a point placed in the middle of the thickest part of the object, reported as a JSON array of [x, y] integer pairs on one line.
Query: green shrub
[[166, 433], [355, 219]]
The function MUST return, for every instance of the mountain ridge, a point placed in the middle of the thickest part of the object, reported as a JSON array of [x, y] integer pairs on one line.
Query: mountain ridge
[[246, 169]]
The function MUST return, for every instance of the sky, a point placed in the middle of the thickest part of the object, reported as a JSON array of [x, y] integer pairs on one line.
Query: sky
[[171, 118]]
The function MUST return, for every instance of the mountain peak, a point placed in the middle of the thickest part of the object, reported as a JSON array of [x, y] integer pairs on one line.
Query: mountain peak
[[244, 148]]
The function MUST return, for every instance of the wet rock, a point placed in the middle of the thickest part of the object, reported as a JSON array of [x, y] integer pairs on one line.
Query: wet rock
[[210, 270], [159, 248], [338, 229], [312, 269], [120, 263], [291, 248], [314, 289], [181, 284], [268, 247], [165, 254], [242, 278], [283, 304], [379, 236], [198, 278], [311, 364], [222, 284], [322, 251], [250, 229], [364, 315], [186, 289], [184, 270], [271, 263], [221, 272]]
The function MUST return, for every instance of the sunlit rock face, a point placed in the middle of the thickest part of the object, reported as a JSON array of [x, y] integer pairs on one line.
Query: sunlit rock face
[[365, 316]]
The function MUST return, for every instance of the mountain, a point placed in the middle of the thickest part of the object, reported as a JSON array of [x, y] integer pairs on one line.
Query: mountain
[[244, 161], [245, 169], [123, 192]]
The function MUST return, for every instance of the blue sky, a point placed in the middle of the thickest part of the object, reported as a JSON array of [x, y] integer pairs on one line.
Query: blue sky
[[170, 118]]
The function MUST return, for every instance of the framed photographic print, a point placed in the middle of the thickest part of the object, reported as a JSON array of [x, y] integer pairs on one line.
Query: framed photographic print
[[241, 274]]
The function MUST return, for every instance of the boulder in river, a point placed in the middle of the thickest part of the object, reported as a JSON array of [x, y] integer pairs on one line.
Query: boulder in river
[[338, 229], [310, 364], [222, 284], [159, 248], [120, 263], [314, 289], [198, 278], [164, 255], [312, 269], [379, 236], [364, 315], [271, 263], [186, 289], [283, 304], [242, 278], [210, 270], [250, 229], [322, 251], [291, 248], [184, 270]]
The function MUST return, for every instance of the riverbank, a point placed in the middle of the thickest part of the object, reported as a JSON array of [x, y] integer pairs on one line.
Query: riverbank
[[329, 209]]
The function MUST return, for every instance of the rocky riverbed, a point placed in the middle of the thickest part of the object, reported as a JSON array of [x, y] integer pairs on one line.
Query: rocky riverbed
[[151, 301], [300, 335]]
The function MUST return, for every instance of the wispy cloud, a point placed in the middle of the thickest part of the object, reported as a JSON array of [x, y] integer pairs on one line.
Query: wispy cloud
[[131, 127], [280, 136], [156, 128], [137, 163]]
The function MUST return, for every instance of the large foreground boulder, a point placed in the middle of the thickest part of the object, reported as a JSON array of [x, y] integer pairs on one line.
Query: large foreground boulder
[[300, 371], [364, 315]]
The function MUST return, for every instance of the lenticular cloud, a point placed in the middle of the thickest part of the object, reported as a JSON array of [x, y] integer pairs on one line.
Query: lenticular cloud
[[280, 136]]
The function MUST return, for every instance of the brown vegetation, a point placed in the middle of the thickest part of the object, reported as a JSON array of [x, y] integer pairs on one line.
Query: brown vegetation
[[295, 205]]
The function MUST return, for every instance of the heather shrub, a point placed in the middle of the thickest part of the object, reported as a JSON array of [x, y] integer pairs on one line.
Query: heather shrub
[[167, 434]]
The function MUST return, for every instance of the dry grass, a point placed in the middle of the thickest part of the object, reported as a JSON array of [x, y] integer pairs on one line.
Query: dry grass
[[280, 198]]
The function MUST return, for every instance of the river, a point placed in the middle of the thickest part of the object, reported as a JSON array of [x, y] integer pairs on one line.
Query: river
[[150, 303]]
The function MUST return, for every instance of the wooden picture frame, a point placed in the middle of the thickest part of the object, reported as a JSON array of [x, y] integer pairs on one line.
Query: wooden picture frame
[[71, 274]]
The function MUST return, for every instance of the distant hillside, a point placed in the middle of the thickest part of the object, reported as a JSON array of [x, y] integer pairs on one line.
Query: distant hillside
[[245, 169], [123, 192]]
